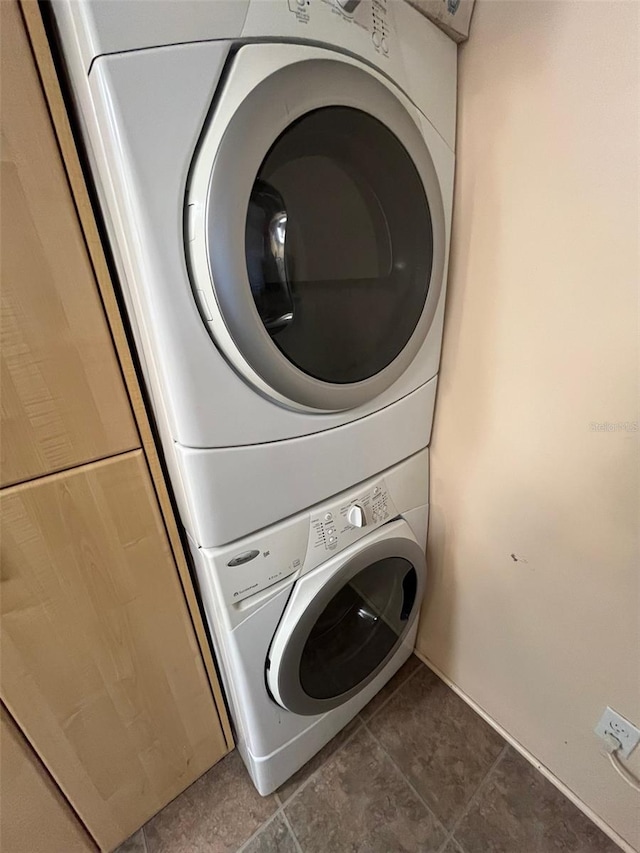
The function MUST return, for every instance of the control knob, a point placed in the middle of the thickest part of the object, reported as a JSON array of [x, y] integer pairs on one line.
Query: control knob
[[356, 516]]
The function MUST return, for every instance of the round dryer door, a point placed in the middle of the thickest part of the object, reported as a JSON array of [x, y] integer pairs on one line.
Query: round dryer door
[[318, 234], [344, 623]]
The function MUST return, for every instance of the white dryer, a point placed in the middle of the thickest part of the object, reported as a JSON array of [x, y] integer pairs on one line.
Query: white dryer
[[276, 179], [311, 617]]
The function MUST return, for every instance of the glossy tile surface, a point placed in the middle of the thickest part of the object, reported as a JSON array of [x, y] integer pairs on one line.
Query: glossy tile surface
[[443, 747], [416, 771], [359, 801], [520, 810]]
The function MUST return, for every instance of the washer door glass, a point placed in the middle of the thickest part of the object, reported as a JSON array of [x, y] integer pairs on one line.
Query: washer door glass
[[339, 245], [359, 628]]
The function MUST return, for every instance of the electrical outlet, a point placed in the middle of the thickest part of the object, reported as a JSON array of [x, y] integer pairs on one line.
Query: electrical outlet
[[612, 723]]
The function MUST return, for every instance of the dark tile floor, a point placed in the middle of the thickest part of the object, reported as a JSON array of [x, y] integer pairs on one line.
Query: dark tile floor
[[417, 771]]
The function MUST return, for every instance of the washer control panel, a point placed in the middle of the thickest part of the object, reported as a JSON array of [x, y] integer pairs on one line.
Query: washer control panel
[[244, 570], [256, 563], [334, 526]]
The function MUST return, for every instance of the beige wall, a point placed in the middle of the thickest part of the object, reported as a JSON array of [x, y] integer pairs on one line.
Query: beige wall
[[541, 341]]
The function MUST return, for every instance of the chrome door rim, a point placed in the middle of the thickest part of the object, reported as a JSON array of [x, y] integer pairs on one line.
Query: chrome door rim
[[292, 695], [269, 108]]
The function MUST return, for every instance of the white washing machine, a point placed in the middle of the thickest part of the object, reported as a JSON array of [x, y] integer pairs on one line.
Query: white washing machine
[[276, 179], [311, 617]]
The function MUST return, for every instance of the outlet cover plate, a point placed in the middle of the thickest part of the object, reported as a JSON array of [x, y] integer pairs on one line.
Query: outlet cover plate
[[613, 723]]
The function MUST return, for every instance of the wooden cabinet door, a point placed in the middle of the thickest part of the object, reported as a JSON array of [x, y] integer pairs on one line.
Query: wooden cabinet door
[[63, 399], [34, 816], [101, 668]]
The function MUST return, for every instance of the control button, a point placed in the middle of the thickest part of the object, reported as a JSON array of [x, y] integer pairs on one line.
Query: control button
[[245, 557], [384, 44], [331, 531], [332, 539], [328, 517], [376, 491], [356, 516], [377, 38], [301, 2], [349, 6]]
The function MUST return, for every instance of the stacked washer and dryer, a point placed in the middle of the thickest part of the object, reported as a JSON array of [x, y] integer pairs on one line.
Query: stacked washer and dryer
[[275, 179]]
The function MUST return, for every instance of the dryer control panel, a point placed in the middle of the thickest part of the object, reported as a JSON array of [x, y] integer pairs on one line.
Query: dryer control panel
[[369, 15], [366, 22]]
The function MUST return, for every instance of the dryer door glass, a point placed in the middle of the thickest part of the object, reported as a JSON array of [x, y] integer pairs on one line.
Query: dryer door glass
[[359, 628], [339, 245]]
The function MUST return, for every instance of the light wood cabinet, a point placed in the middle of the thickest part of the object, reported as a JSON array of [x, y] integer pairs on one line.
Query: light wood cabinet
[[100, 664], [63, 398], [34, 817], [106, 669]]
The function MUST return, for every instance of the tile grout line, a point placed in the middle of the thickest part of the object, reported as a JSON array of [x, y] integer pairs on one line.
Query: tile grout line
[[408, 782], [362, 724], [327, 759], [291, 832], [260, 830], [283, 803], [473, 799], [392, 695]]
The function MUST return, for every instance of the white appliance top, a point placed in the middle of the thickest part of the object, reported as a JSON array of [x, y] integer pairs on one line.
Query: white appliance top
[[388, 34]]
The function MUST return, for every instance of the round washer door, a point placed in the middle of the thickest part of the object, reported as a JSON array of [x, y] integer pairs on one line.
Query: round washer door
[[319, 234], [333, 640]]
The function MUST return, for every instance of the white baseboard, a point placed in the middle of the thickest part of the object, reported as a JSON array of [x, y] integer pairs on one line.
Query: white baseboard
[[613, 835]]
